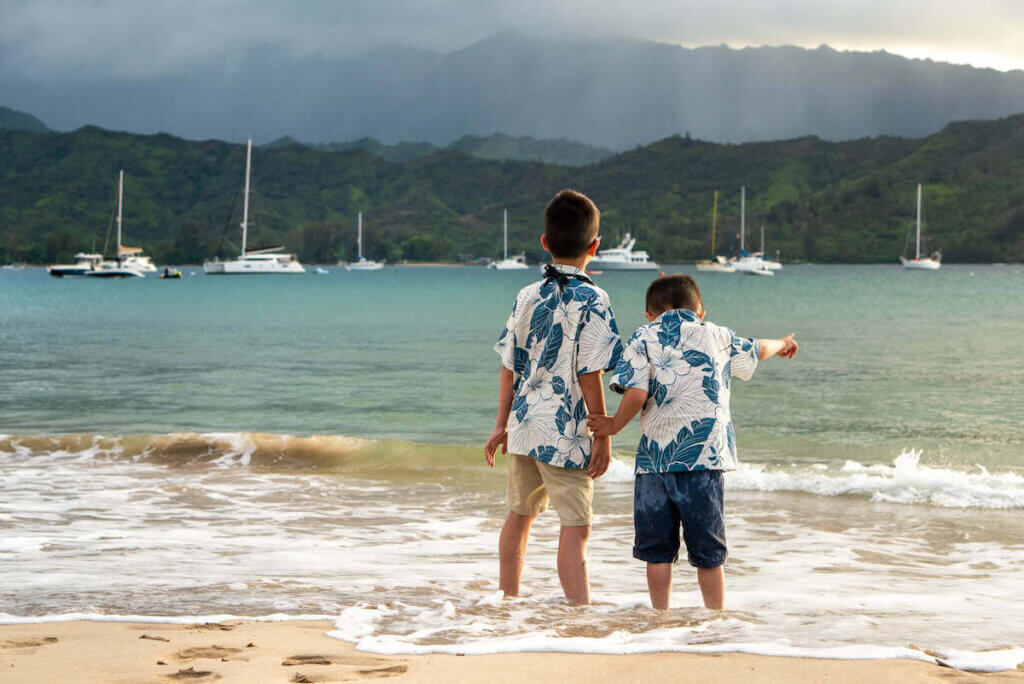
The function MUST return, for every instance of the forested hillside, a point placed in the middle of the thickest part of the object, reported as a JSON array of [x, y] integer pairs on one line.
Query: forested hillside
[[820, 201]]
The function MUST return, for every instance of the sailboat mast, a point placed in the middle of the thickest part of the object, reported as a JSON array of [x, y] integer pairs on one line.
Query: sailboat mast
[[762, 238], [359, 235], [917, 247], [120, 202], [505, 232], [714, 222], [743, 217], [245, 203]]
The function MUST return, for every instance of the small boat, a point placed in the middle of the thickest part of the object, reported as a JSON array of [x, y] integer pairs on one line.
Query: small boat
[[84, 262], [920, 263], [717, 264], [516, 263], [257, 261], [320, 270], [623, 258], [752, 263], [362, 263], [170, 273]]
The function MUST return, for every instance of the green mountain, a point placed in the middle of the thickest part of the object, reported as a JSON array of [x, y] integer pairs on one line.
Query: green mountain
[[821, 201], [498, 147], [13, 120]]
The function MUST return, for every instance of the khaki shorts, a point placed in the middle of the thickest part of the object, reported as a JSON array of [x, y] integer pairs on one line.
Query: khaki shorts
[[532, 483]]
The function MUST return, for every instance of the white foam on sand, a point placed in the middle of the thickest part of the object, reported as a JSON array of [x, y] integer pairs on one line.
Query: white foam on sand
[[364, 626]]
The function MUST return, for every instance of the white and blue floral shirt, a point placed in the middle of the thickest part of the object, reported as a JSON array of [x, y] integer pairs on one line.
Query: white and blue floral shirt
[[560, 328], [686, 367]]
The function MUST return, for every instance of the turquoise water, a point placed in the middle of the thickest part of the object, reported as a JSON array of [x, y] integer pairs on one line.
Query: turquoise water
[[876, 507], [889, 360]]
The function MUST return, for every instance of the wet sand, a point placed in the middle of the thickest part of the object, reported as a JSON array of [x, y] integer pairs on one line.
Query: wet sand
[[300, 651]]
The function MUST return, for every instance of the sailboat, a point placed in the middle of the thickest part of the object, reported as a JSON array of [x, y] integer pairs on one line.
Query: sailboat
[[257, 261], [751, 264], [717, 264], [363, 264], [516, 263], [927, 263], [119, 267]]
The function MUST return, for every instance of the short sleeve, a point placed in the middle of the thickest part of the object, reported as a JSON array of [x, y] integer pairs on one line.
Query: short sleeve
[[634, 368], [598, 345], [506, 344], [743, 354]]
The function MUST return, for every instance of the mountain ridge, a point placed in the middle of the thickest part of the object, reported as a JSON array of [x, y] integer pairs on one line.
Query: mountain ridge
[[822, 201], [611, 93]]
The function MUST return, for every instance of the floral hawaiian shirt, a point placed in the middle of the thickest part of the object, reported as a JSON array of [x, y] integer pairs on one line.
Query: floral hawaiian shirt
[[686, 367], [560, 328]]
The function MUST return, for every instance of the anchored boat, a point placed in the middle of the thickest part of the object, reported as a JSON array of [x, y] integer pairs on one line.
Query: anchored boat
[[257, 261]]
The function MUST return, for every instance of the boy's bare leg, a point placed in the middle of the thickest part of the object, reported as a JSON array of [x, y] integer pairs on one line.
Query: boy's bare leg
[[572, 563], [712, 586], [512, 551], [659, 584]]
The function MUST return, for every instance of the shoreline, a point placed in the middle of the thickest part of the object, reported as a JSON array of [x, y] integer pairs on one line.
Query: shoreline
[[301, 651]]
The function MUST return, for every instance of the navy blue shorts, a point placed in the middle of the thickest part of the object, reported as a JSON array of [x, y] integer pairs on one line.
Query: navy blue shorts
[[663, 501]]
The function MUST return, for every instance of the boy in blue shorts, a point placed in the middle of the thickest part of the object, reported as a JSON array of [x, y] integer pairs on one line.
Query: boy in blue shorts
[[558, 340], [678, 370]]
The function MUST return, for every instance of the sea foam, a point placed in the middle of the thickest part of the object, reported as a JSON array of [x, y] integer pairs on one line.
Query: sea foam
[[905, 481]]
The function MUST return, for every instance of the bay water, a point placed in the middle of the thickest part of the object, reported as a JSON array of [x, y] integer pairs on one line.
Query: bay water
[[311, 445]]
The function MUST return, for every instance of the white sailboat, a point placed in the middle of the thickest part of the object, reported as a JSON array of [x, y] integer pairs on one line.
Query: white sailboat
[[363, 264], [118, 267], [623, 258], [750, 264], [717, 264], [253, 262], [516, 263], [926, 263], [130, 258]]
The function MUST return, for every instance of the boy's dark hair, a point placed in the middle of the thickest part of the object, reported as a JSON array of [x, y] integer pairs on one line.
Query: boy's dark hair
[[677, 291], [571, 221]]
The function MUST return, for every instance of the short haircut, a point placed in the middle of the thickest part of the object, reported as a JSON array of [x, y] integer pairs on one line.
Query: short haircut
[[677, 291], [571, 221]]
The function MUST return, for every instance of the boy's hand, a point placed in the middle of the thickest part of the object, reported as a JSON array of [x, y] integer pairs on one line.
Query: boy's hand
[[600, 456], [602, 426], [498, 438], [789, 346]]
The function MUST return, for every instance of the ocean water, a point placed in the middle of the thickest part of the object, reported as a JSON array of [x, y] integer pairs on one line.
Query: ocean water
[[310, 445]]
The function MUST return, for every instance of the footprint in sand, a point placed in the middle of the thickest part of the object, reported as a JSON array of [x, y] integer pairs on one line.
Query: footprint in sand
[[382, 672], [30, 642], [213, 652], [193, 675]]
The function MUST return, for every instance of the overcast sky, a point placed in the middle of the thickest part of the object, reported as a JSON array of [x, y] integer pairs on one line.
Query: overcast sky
[[139, 38]]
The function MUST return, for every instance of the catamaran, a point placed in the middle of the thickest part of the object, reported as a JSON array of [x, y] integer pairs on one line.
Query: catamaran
[[717, 264], [623, 258], [256, 261], [926, 263], [516, 263], [363, 264], [751, 264]]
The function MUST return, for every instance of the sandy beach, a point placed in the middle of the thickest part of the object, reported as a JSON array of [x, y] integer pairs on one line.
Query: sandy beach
[[300, 651]]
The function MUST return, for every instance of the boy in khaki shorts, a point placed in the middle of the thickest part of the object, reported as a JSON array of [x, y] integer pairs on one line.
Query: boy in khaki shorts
[[558, 340]]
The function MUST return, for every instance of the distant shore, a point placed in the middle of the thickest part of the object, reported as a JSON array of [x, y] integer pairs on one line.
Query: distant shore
[[300, 651]]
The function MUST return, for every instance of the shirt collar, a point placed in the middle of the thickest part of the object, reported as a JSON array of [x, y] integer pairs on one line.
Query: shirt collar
[[569, 270], [679, 315]]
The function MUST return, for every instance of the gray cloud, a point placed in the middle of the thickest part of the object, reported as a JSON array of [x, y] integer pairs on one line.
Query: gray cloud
[[129, 38]]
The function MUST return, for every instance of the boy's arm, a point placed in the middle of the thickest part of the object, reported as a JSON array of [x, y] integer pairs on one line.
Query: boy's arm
[[500, 435], [785, 347], [606, 426], [593, 396]]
